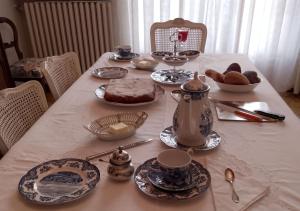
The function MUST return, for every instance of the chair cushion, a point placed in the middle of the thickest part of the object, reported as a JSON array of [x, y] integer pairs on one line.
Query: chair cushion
[[27, 68]]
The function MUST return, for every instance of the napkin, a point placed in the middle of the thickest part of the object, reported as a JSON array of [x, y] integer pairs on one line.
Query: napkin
[[251, 183]]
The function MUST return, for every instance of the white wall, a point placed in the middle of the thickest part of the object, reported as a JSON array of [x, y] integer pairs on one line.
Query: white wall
[[122, 29], [8, 9]]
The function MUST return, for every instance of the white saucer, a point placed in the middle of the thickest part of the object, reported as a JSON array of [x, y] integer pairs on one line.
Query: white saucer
[[169, 138]]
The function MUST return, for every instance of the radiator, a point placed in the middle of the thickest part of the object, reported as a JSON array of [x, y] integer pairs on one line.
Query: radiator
[[84, 27]]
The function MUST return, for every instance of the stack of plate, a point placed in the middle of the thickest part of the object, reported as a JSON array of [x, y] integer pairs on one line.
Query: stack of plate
[[118, 58], [150, 179]]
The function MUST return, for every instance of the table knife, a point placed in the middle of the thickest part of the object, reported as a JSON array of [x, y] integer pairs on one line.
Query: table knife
[[280, 117], [248, 116], [267, 114], [254, 116], [128, 146]]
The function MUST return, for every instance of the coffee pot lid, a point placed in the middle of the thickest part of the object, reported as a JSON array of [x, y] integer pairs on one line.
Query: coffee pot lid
[[120, 157], [195, 84]]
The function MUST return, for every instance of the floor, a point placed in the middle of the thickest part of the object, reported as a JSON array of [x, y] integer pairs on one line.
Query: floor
[[293, 101], [49, 97]]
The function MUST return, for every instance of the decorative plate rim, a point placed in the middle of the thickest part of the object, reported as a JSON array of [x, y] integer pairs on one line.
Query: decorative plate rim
[[27, 174], [101, 90]]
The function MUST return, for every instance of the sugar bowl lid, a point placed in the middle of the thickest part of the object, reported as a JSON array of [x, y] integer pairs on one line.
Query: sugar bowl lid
[[120, 157]]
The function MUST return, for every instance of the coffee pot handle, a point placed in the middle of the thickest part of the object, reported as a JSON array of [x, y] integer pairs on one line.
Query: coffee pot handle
[[190, 151], [176, 95]]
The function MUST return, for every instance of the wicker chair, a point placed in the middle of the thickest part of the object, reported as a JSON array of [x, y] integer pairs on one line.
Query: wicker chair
[[161, 31], [61, 72], [20, 108]]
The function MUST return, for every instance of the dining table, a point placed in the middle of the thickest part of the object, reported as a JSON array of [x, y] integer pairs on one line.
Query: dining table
[[264, 156]]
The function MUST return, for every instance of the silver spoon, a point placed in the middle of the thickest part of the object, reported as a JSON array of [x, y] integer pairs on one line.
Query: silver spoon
[[229, 177]]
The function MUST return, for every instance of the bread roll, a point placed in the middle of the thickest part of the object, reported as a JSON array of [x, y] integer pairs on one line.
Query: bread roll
[[233, 67], [216, 76], [236, 78], [252, 76]]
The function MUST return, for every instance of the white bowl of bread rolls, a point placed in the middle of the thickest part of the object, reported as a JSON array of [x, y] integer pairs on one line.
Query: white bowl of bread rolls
[[234, 80]]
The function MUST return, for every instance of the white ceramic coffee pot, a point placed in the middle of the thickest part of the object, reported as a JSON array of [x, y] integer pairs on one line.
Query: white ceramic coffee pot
[[193, 120]]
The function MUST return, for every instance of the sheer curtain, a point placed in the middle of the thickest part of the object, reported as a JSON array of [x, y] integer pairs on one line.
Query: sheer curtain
[[268, 31]]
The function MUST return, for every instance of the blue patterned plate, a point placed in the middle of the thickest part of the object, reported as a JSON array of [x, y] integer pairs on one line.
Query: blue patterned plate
[[142, 181], [158, 178], [59, 181]]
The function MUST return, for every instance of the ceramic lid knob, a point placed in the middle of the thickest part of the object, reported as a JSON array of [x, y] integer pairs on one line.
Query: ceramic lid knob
[[195, 84], [120, 157]]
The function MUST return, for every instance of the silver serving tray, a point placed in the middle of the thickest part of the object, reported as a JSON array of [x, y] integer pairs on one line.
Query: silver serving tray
[[109, 72]]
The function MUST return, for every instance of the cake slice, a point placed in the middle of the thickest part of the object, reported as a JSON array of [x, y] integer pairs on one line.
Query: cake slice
[[130, 91]]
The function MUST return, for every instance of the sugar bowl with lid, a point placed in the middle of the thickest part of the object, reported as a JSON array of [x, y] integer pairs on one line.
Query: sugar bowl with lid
[[120, 167]]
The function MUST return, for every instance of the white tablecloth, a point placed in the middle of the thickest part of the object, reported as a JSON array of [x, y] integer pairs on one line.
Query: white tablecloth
[[272, 147]]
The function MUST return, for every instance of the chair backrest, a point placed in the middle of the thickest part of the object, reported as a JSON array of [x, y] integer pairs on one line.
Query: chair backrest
[[14, 43], [161, 31], [61, 72], [3, 147], [20, 108]]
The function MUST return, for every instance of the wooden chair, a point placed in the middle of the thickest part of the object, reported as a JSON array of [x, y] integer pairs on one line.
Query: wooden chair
[[6, 80], [61, 72], [25, 68], [161, 31], [20, 108]]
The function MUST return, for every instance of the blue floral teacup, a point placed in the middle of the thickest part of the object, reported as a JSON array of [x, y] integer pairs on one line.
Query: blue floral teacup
[[123, 50], [174, 164]]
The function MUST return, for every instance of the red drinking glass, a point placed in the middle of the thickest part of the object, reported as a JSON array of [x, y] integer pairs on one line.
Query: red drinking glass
[[182, 35]]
